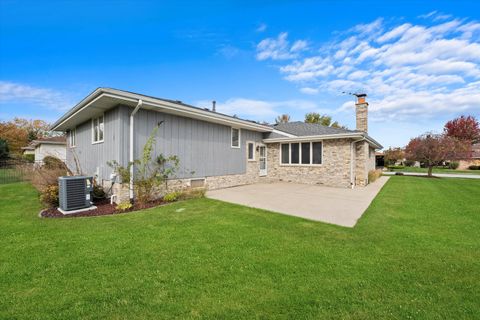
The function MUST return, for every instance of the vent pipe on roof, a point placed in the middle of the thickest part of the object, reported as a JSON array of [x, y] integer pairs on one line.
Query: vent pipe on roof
[[214, 109]]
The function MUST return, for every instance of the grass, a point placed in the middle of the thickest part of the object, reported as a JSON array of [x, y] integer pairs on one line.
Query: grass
[[437, 170], [414, 254]]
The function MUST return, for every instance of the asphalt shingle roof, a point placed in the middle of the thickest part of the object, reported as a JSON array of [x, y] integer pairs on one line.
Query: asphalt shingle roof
[[299, 128]]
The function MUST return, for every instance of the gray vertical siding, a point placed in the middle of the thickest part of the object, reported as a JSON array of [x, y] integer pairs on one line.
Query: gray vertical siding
[[203, 147]]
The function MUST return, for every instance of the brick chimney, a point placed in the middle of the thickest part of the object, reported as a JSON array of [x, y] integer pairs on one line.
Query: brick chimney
[[361, 110]]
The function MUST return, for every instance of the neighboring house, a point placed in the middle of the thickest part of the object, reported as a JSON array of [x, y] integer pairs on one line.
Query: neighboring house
[[215, 150], [52, 146], [473, 161]]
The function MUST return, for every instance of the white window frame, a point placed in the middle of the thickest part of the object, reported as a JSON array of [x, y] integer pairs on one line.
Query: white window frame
[[300, 164], [239, 137], [254, 151], [93, 129], [73, 138]]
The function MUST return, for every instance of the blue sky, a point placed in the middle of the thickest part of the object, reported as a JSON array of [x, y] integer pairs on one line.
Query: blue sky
[[419, 61]]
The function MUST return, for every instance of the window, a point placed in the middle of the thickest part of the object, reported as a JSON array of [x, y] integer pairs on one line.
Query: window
[[294, 153], [235, 138], [285, 157], [305, 153], [316, 152], [97, 129], [251, 151], [73, 137]]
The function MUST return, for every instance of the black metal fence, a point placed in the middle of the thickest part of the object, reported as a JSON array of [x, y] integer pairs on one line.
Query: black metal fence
[[14, 170]]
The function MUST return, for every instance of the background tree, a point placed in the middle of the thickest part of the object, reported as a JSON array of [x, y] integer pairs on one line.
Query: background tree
[[464, 128], [324, 120], [36, 129], [3, 149], [284, 118], [15, 136], [392, 155], [433, 149]]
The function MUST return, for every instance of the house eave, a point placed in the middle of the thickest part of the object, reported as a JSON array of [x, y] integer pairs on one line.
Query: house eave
[[103, 99]]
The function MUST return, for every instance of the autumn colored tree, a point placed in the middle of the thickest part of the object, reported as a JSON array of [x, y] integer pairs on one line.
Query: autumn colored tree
[[284, 118], [3, 149], [392, 155], [15, 136], [433, 149], [36, 128], [464, 128], [324, 120]]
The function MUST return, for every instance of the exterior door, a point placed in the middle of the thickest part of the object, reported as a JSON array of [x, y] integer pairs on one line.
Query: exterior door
[[262, 160]]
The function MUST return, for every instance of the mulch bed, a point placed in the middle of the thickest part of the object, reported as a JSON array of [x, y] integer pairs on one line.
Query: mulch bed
[[103, 208]]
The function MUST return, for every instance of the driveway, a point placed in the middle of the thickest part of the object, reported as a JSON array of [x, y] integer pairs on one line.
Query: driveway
[[332, 205]]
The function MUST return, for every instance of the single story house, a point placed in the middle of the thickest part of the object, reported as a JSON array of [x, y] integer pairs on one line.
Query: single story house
[[473, 161], [215, 150], [51, 146]]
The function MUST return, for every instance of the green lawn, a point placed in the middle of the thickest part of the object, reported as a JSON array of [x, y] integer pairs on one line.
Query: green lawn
[[437, 170], [414, 254]]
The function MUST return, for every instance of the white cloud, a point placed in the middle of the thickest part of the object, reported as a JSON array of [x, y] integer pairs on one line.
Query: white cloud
[[11, 92], [259, 109], [279, 48], [409, 70], [261, 28]]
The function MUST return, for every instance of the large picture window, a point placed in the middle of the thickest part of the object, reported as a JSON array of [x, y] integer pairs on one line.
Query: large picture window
[[305, 153], [235, 138], [97, 129]]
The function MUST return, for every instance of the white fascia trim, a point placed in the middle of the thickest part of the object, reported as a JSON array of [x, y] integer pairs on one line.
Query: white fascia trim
[[165, 105], [323, 137]]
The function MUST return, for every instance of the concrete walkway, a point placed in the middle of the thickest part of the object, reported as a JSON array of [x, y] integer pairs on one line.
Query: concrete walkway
[[332, 205], [440, 175]]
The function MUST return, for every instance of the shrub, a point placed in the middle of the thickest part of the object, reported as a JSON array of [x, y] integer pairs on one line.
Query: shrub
[[409, 163], [49, 196], [395, 167], [171, 197], [474, 167], [98, 192], [50, 162], [453, 165], [29, 157], [124, 206], [373, 175], [192, 194]]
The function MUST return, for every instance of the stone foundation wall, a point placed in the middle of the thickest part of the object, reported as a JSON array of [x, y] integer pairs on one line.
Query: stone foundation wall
[[334, 170], [464, 164], [361, 163]]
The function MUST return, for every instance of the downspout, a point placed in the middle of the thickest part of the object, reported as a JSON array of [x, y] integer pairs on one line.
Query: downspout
[[131, 158]]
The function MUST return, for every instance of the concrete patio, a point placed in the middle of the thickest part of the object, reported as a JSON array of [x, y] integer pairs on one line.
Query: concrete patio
[[326, 204]]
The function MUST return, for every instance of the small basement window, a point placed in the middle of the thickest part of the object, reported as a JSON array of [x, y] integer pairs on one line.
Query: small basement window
[[251, 151], [235, 138], [197, 183]]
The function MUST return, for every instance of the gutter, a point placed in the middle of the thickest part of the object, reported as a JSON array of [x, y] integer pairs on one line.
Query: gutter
[[131, 158]]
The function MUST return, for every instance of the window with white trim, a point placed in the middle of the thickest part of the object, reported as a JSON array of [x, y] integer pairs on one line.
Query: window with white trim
[[235, 138], [251, 151], [73, 137], [301, 153], [97, 129]]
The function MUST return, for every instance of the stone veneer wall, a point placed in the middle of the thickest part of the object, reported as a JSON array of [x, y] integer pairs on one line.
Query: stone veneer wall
[[361, 163], [334, 170]]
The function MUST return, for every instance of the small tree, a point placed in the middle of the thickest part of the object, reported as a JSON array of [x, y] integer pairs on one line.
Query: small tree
[[149, 173], [392, 155], [433, 149], [463, 128], [284, 118]]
